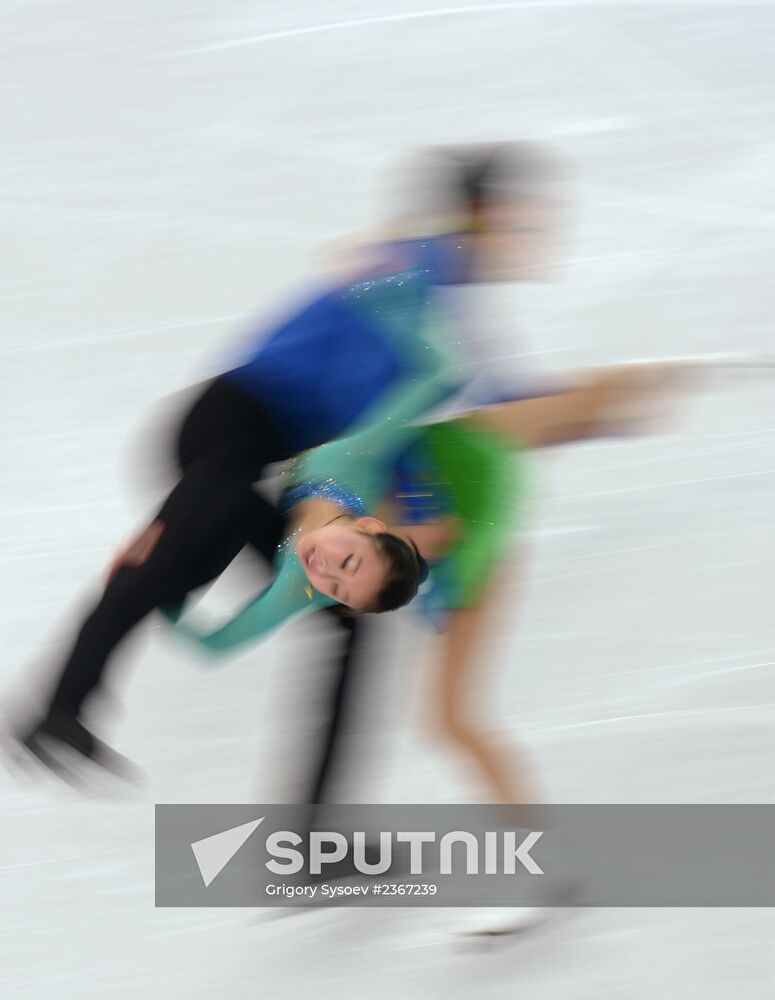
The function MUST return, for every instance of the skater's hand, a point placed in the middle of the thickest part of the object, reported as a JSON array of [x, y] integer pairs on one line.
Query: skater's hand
[[206, 642], [138, 551]]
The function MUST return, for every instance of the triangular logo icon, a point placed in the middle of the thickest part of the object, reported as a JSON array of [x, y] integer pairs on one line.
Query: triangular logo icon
[[214, 853]]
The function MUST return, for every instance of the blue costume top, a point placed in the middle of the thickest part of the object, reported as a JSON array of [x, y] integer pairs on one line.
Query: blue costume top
[[320, 370]]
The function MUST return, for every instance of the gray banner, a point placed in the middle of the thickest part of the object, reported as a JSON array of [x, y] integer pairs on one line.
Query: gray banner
[[453, 855]]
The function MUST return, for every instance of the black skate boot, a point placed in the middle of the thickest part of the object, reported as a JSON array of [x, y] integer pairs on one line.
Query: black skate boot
[[63, 745]]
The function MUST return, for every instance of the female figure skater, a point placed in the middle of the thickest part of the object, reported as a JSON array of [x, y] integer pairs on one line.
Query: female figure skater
[[337, 552]]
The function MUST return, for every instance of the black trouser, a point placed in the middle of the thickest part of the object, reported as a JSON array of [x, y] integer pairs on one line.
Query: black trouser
[[224, 445]]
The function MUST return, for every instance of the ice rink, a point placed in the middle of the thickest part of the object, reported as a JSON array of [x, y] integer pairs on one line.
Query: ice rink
[[170, 171]]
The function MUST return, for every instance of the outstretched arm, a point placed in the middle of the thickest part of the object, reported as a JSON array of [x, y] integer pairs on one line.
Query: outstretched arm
[[622, 399], [275, 605]]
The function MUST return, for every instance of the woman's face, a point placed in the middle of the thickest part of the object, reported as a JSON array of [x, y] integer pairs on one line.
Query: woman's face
[[341, 560]]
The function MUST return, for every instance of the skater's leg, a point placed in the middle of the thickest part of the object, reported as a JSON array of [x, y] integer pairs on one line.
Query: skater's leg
[[209, 520], [505, 770], [204, 522], [222, 447], [347, 661], [130, 595]]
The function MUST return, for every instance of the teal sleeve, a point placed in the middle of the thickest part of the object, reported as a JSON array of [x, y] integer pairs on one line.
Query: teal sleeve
[[406, 400], [283, 599], [364, 457], [400, 305]]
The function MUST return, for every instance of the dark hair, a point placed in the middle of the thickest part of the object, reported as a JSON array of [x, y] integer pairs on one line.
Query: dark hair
[[462, 180], [481, 172], [406, 571]]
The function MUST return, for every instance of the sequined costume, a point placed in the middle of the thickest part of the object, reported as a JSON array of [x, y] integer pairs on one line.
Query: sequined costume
[[480, 480], [471, 475]]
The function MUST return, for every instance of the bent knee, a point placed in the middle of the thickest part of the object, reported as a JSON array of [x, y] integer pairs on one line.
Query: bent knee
[[454, 728]]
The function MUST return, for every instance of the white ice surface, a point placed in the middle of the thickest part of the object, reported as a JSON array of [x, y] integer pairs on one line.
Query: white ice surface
[[167, 170]]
